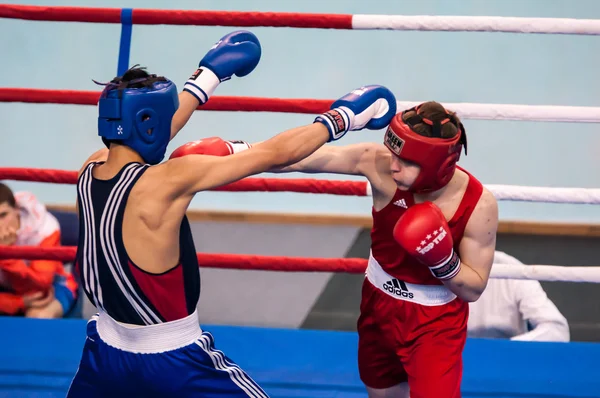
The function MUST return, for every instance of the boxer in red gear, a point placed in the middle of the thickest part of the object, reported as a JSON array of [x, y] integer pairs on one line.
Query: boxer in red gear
[[432, 248]]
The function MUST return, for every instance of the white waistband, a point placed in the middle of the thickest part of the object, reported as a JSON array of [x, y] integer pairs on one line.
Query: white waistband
[[148, 339], [429, 295]]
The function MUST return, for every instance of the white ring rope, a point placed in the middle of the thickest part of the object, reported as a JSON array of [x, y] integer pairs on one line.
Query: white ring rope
[[477, 24], [545, 195], [534, 113], [547, 273], [518, 193]]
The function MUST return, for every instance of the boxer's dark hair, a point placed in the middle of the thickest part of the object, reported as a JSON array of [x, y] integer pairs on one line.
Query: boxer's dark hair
[[7, 196], [134, 77], [435, 112]]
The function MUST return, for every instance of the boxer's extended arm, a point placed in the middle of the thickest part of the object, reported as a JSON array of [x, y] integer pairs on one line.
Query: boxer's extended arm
[[355, 159], [366, 159], [187, 105], [191, 174], [368, 107], [476, 250]]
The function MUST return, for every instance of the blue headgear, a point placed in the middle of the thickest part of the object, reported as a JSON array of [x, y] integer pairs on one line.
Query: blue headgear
[[127, 114]]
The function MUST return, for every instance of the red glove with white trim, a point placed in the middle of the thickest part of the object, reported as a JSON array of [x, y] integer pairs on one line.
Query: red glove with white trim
[[214, 146], [424, 233]]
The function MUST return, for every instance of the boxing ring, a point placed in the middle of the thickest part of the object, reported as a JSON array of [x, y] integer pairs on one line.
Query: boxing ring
[[41, 356]]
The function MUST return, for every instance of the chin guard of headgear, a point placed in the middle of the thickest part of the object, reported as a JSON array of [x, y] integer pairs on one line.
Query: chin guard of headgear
[[139, 118], [435, 155]]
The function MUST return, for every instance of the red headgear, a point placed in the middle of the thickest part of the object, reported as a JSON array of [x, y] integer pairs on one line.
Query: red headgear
[[435, 155]]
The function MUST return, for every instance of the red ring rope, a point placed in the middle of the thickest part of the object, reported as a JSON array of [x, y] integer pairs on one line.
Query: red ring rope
[[299, 185], [229, 261], [216, 103], [178, 17]]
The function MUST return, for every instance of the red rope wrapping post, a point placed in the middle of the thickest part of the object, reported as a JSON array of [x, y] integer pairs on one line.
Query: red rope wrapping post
[[300, 185], [228, 261], [178, 17], [216, 103]]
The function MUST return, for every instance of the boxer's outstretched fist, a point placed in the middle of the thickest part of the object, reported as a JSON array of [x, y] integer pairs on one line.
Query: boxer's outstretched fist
[[371, 107], [424, 233], [214, 146]]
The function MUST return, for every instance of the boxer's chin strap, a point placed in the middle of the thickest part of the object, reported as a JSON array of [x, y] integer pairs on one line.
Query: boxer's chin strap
[[448, 268]]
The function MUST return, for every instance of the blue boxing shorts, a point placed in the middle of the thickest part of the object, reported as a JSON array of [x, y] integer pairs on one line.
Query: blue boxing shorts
[[172, 359]]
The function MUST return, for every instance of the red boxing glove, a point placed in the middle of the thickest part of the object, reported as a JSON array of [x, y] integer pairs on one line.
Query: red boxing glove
[[214, 146], [424, 233]]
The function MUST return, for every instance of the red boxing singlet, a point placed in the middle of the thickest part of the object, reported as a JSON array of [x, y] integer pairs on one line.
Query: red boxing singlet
[[392, 257]]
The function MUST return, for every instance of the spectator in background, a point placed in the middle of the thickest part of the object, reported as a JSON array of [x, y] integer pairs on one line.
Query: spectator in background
[[516, 309], [33, 288]]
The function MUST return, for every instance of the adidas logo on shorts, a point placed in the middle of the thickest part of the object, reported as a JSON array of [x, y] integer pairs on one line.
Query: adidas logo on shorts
[[398, 288]]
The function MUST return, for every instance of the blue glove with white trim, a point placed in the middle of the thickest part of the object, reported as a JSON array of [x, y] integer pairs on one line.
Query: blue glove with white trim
[[371, 107], [236, 53]]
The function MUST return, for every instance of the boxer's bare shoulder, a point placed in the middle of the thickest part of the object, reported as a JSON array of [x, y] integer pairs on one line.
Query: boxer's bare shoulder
[[99, 156]]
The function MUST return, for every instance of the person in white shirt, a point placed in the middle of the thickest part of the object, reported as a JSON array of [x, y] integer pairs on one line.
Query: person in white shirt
[[517, 310]]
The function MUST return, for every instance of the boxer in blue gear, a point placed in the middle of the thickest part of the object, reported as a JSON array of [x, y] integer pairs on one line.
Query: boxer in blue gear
[[136, 257]]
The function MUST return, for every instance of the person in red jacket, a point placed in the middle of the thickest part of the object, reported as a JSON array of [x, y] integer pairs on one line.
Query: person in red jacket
[[34, 288], [433, 240]]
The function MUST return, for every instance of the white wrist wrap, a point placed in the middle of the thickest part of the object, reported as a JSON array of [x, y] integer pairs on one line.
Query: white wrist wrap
[[202, 84], [238, 146], [338, 121]]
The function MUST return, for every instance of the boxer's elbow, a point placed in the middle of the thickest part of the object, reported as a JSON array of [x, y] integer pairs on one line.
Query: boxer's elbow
[[471, 295], [467, 287]]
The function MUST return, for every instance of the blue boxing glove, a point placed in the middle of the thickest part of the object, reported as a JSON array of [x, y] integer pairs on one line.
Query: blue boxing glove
[[371, 107], [237, 53]]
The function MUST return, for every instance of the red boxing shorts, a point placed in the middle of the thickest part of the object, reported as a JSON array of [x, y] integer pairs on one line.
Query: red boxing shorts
[[411, 333]]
